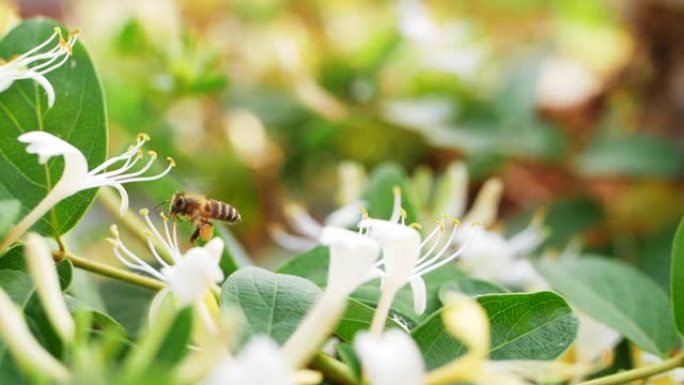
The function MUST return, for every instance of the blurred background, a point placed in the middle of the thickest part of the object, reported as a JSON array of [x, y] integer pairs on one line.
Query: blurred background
[[577, 106]]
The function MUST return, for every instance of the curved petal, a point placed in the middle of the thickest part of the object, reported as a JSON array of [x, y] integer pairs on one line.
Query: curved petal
[[391, 358], [419, 294], [486, 205], [352, 257], [43, 82]]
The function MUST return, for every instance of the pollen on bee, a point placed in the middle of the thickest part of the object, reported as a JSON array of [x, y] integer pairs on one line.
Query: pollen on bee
[[206, 232]]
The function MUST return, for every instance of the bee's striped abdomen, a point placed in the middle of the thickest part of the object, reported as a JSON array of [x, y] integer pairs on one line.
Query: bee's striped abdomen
[[224, 212]]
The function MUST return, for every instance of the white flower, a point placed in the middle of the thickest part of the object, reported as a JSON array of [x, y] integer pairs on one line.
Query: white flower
[[76, 177], [352, 260], [28, 353], [351, 179], [42, 269], [189, 276], [390, 358], [36, 63], [406, 259], [259, 363]]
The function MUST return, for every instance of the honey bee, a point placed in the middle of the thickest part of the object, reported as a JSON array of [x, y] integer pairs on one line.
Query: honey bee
[[200, 210]]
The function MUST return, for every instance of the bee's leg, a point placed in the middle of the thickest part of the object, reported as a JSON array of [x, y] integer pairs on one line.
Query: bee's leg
[[195, 235], [206, 231]]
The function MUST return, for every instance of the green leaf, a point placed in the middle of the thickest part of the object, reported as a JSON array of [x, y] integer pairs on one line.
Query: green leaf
[[535, 326], [126, 303], [175, 345], [677, 281], [617, 295], [640, 155], [9, 212], [347, 354], [313, 265], [78, 117], [273, 304], [358, 317], [379, 194]]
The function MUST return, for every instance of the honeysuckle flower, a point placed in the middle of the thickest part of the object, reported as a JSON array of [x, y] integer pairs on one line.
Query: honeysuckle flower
[[390, 358], [406, 258], [25, 349], [36, 63], [76, 177], [351, 179], [352, 260], [188, 275], [259, 363], [42, 269]]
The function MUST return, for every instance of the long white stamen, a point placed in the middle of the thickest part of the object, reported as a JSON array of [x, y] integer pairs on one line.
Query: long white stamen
[[452, 256], [137, 173], [154, 252], [130, 162], [149, 178], [170, 240], [38, 47], [175, 236], [161, 239], [421, 264], [137, 264], [439, 229], [128, 154]]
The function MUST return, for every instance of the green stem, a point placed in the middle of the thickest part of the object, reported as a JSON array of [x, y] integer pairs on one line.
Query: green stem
[[332, 369], [640, 373], [109, 271]]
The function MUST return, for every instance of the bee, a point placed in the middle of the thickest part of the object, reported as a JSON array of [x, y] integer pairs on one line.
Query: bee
[[200, 210]]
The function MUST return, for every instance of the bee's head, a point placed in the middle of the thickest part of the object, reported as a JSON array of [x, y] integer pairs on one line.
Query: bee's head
[[178, 203]]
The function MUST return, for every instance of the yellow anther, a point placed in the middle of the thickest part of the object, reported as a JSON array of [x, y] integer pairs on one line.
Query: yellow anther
[[172, 162], [396, 190], [113, 242], [456, 222], [445, 216], [114, 230], [144, 211], [364, 212], [74, 33], [403, 213], [152, 154], [142, 137], [163, 217], [416, 226], [476, 224], [140, 153], [57, 30]]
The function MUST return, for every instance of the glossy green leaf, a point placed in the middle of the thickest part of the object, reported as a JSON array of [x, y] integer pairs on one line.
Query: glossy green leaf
[[357, 317], [175, 345], [677, 280], [535, 326], [617, 295], [273, 304], [78, 117]]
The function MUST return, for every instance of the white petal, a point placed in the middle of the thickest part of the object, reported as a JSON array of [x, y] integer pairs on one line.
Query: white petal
[[214, 248], [259, 363], [594, 338], [46, 146], [194, 274], [390, 359], [352, 257], [419, 294], [345, 216], [486, 205], [452, 191], [42, 268], [40, 79], [400, 249]]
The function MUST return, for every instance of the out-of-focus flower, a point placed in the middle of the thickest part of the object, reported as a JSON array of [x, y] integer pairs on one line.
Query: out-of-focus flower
[[402, 261], [673, 377], [8, 17], [441, 47], [259, 363], [36, 63], [76, 177], [352, 259], [565, 84], [42, 269], [28, 353], [390, 358], [351, 179], [189, 275]]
